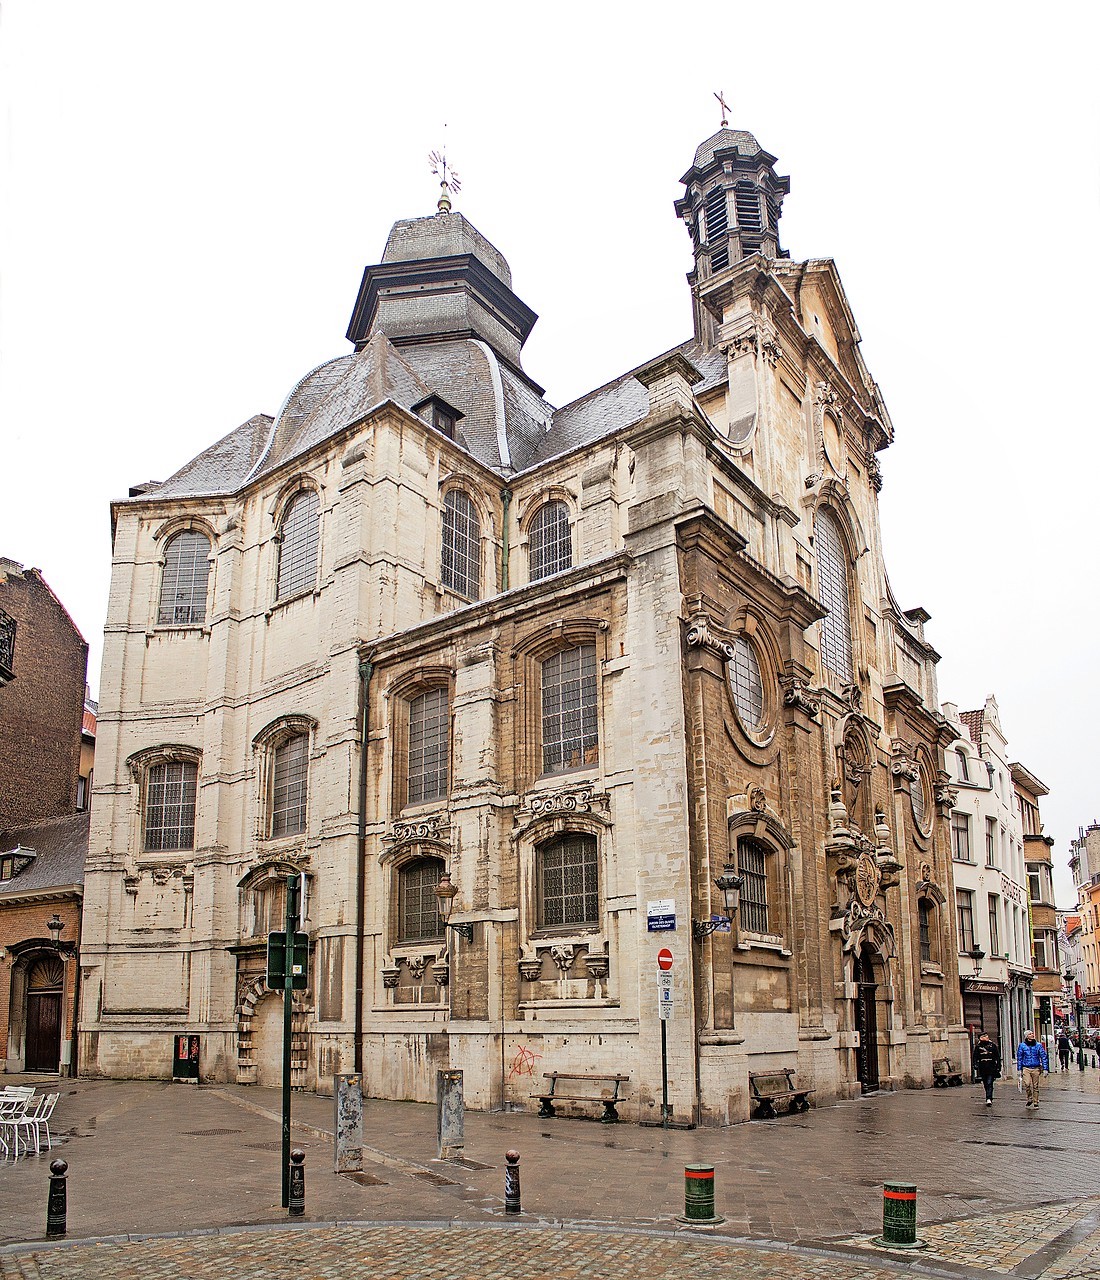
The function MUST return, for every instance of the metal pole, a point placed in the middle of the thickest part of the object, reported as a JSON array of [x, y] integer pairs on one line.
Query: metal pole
[[288, 1009], [664, 1074]]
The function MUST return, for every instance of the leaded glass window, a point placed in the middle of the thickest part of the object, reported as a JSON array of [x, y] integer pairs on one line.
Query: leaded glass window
[[916, 796], [298, 545], [428, 726], [289, 781], [832, 574], [752, 866], [170, 792], [183, 586], [570, 737], [461, 560], [746, 684], [418, 907], [924, 915], [551, 543], [569, 889]]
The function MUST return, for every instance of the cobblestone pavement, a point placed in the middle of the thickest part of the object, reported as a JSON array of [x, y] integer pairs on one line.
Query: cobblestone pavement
[[1001, 1190]]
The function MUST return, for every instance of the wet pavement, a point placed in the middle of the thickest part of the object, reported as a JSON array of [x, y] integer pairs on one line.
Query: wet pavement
[[1001, 1190]]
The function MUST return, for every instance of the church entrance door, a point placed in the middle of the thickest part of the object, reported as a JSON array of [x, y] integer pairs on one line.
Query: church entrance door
[[867, 1021], [44, 984]]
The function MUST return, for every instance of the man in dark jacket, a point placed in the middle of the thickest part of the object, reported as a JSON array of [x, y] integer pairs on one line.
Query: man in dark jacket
[[1031, 1062], [987, 1063], [1065, 1048]]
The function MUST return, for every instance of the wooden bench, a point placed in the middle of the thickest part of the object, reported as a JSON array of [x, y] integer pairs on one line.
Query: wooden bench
[[770, 1087], [603, 1089], [944, 1074]]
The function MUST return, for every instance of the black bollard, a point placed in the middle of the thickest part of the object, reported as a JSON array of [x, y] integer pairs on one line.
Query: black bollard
[[511, 1182], [55, 1203], [297, 1204]]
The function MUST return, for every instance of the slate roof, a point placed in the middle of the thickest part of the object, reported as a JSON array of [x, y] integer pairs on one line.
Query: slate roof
[[726, 140], [222, 468], [61, 845]]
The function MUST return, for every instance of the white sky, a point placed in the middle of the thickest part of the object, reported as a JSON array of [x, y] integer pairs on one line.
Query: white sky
[[190, 194]]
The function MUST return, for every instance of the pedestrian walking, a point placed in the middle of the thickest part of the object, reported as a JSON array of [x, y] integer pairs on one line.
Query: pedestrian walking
[[1031, 1062], [987, 1063], [1065, 1045]]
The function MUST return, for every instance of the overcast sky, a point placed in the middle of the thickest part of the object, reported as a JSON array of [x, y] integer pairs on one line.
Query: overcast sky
[[190, 194]]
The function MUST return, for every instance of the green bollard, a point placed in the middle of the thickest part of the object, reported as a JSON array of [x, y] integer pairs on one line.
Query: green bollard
[[699, 1195], [899, 1216]]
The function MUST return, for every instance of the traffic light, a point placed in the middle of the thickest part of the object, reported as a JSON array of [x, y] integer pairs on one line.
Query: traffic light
[[276, 961]]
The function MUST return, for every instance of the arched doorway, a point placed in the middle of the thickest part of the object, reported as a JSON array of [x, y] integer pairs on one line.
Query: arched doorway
[[267, 1042], [867, 1019], [45, 984]]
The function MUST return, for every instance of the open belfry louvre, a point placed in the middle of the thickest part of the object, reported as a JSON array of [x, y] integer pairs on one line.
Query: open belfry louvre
[[423, 630]]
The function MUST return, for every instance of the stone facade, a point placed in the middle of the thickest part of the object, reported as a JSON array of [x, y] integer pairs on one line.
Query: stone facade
[[582, 659], [1046, 962]]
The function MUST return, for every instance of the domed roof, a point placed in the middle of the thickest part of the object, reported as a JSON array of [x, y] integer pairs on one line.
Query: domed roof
[[726, 140], [443, 235]]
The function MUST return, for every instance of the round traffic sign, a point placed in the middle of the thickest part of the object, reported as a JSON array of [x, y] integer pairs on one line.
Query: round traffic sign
[[664, 959]]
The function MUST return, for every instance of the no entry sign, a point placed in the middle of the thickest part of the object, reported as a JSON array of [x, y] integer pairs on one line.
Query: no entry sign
[[664, 959]]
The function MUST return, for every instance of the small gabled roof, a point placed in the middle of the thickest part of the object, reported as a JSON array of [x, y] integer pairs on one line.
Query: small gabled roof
[[60, 846]]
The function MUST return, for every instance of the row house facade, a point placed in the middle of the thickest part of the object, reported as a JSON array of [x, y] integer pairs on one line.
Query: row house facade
[[1045, 956], [573, 664], [1084, 865]]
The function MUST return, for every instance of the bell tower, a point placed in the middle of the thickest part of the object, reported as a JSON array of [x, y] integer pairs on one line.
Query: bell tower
[[732, 202]]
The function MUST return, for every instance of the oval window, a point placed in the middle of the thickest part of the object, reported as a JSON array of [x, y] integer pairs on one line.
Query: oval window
[[746, 683]]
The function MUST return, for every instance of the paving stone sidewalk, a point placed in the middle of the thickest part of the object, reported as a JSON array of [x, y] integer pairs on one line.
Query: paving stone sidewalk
[[1002, 1191]]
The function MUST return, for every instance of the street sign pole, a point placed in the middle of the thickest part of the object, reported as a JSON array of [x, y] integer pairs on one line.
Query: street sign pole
[[288, 1009], [664, 1073], [664, 1012]]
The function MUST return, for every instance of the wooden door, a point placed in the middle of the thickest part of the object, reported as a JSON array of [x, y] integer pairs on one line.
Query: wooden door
[[44, 986], [867, 1023]]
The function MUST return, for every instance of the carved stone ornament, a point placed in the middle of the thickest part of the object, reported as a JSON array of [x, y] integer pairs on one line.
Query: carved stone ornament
[[874, 473], [925, 872], [902, 765], [597, 965], [867, 924], [797, 694], [568, 800], [758, 801], [853, 756], [131, 880], [852, 697], [868, 878], [530, 968], [390, 975], [769, 345], [416, 966], [433, 826], [700, 635], [945, 794], [562, 954], [441, 972]]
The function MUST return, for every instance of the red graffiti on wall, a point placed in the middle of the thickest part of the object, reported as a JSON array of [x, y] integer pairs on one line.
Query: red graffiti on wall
[[523, 1064]]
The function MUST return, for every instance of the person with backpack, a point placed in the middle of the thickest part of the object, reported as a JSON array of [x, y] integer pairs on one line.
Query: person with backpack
[[987, 1063], [1031, 1062]]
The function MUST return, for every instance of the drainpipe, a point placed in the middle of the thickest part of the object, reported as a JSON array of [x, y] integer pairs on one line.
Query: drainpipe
[[506, 498], [366, 670]]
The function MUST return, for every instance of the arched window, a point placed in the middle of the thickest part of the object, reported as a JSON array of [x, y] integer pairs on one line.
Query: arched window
[[289, 786], [418, 918], [298, 543], [917, 797], [461, 558], [925, 915], [752, 866], [171, 788], [746, 683], [183, 584], [570, 732], [832, 576], [550, 546], [964, 768], [428, 743], [568, 883]]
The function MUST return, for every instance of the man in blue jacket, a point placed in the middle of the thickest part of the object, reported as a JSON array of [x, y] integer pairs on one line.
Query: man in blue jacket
[[1031, 1062]]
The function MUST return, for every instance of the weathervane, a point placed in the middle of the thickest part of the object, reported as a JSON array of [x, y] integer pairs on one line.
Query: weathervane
[[449, 183], [725, 108]]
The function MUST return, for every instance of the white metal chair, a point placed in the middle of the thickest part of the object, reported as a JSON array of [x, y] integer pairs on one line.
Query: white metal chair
[[12, 1113], [10, 1091], [37, 1117]]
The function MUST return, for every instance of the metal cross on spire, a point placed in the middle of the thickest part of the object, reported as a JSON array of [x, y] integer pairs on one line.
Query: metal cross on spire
[[449, 183], [725, 109]]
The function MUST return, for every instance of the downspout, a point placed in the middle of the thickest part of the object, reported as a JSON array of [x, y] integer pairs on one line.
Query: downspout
[[366, 670], [506, 498]]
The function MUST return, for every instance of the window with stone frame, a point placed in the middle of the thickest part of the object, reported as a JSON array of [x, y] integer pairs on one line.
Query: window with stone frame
[[917, 799], [299, 544], [752, 866], [568, 882], [418, 918], [964, 907], [428, 742], [994, 925], [460, 562], [832, 576], [570, 710], [960, 837], [991, 842], [184, 580], [963, 763], [550, 541], [926, 914], [263, 902], [289, 786], [168, 809], [746, 682]]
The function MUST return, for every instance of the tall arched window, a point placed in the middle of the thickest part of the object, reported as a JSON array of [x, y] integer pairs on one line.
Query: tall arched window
[[570, 711], [550, 544], [752, 865], [298, 543], [290, 786], [170, 792], [568, 882], [418, 918], [461, 556], [183, 585], [428, 741], [832, 579]]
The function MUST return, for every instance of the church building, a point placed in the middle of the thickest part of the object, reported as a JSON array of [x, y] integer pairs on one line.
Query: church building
[[606, 679]]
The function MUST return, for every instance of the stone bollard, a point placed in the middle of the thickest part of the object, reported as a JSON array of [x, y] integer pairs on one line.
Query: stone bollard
[[699, 1195], [55, 1203], [899, 1216], [297, 1204], [511, 1182]]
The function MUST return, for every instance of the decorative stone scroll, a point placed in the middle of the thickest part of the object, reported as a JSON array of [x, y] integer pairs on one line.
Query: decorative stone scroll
[[700, 635], [434, 826], [874, 473], [798, 694], [902, 765], [563, 954], [945, 796], [567, 800]]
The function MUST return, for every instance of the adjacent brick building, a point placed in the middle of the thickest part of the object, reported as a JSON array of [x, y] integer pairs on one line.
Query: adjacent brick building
[[424, 629]]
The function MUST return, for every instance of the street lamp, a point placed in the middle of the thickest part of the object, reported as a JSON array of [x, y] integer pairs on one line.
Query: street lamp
[[56, 926], [729, 882], [977, 955], [445, 895]]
